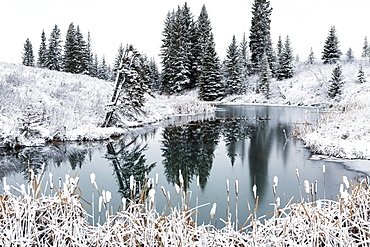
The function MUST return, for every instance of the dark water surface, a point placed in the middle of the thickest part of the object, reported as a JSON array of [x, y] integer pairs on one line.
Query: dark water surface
[[251, 144]]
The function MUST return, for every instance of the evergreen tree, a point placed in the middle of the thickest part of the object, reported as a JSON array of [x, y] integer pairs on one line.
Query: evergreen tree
[[233, 79], [366, 49], [244, 59], [95, 67], [311, 57], [70, 50], [117, 60], [41, 61], [167, 53], [177, 51], [210, 80], [265, 78], [54, 52], [331, 53], [260, 38], [103, 70], [89, 56], [350, 57], [361, 75], [155, 76], [285, 70], [336, 82], [81, 54], [28, 58], [208, 69]]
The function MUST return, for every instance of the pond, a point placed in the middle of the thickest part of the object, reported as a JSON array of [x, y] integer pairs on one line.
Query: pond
[[247, 143]]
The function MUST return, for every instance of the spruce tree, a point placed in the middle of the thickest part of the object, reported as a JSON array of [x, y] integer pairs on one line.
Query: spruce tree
[[244, 59], [27, 56], [89, 56], [260, 37], [81, 54], [350, 57], [285, 70], [366, 49], [117, 60], [331, 53], [233, 79], [311, 57], [41, 61], [210, 79], [155, 76], [103, 70], [70, 50], [265, 78], [361, 75], [54, 52], [336, 82]]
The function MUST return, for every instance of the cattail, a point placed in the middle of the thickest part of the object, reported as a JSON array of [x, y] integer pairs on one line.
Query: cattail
[[132, 181], [345, 181], [152, 197], [156, 178], [163, 191], [297, 173], [92, 178], [276, 181], [323, 169], [181, 179], [100, 203], [306, 185], [124, 202], [177, 188], [315, 187], [108, 196], [198, 182], [277, 202], [227, 186], [255, 191], [236, 187], [213, 210]]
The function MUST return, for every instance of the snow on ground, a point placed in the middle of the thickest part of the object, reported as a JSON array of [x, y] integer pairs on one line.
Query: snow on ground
[[37, 105]]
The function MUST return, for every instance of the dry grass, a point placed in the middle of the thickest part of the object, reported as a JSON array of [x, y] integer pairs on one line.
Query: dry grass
[[32, 217]]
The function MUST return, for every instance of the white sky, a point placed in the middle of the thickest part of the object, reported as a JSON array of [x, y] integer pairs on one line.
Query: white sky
[[140, 22]]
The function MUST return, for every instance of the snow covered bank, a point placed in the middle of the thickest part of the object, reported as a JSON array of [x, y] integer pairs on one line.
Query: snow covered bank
[[38, 105], [344, 130]]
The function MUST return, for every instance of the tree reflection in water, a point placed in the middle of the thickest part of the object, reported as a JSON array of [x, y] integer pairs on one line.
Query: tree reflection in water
[[190, 148], [128, 159]]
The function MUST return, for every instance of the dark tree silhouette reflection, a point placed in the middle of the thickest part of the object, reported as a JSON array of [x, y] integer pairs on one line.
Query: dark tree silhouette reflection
[[190, 148]]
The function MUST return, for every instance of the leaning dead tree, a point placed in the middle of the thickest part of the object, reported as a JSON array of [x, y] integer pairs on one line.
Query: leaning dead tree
[[131, 84]]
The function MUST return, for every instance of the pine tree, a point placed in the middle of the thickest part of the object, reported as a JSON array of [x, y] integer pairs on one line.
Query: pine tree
[[285, 70], [155, 76], [233, 79], [265, 78], [28, 58], [260, 38], [41, 61], [331, 53], [361, 75], [54, 52], [366, 49], [311, 57], [210, 80], [350, 57], [336, 82], [117, 60]]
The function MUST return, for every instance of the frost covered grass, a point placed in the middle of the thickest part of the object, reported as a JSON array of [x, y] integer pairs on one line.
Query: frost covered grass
[[39, 105], [45, 213]]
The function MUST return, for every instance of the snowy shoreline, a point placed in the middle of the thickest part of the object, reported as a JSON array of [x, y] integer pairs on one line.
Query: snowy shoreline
[[40, 105]]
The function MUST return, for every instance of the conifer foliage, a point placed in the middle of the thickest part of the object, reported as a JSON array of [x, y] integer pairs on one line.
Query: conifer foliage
[[233, 69], [28, 58], [41, 61], [336, 82], [285, 68], [331, 53], [54, 52], [260, 37], [361, 75]]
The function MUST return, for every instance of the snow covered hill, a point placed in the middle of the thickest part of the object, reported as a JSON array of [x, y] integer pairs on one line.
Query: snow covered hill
[[37, 105]]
